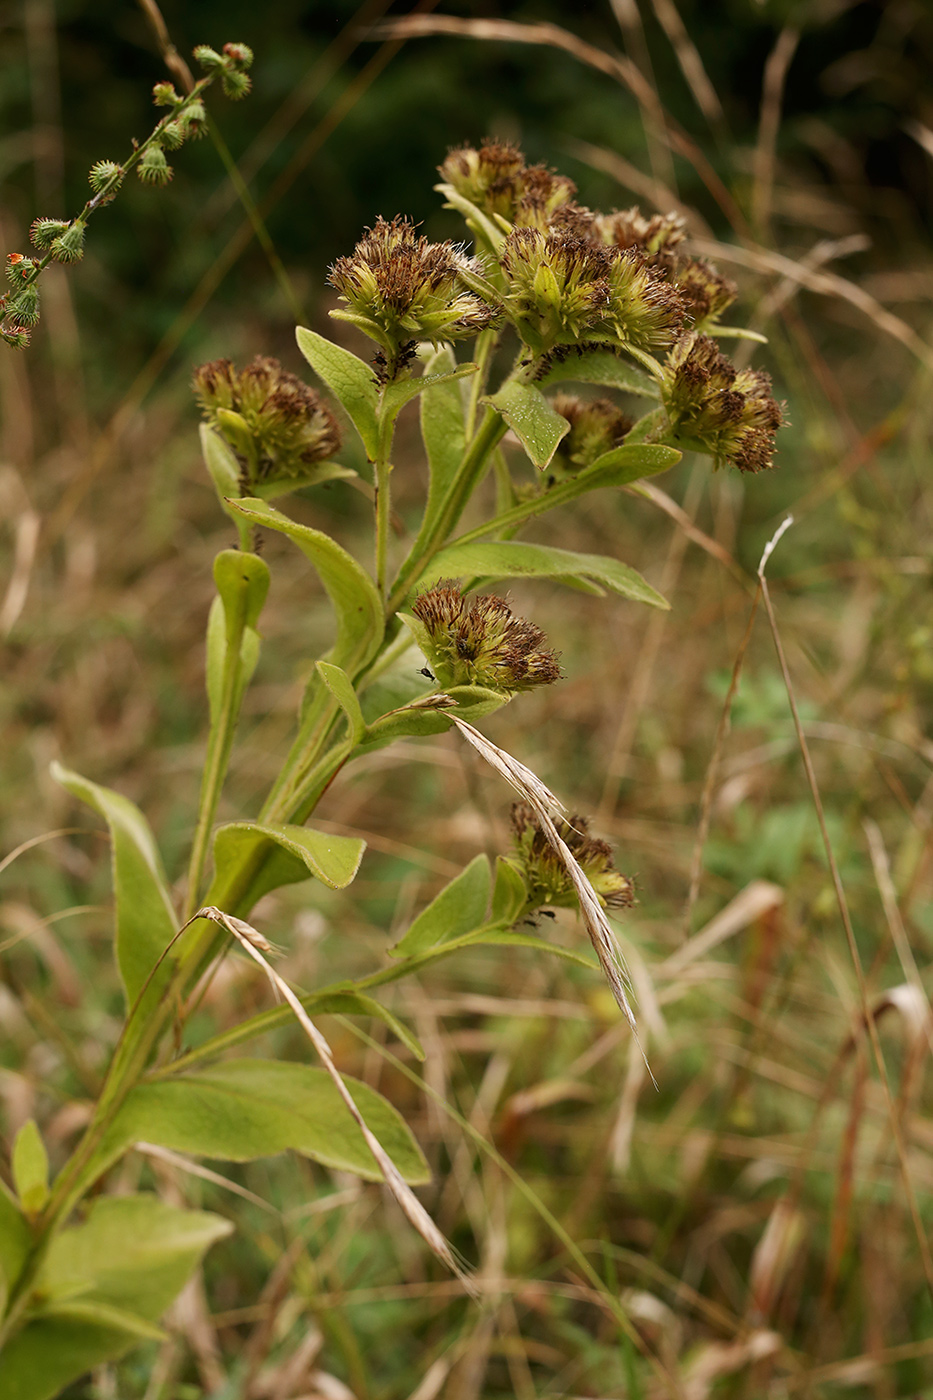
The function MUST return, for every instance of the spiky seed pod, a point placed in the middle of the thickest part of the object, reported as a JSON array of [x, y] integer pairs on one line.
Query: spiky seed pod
[[239, 55], [18, 268], [16, 336], [566, 290], [194, 120], [481, 642], [22, 307], [596, 426], [274, 422], [545, 875], [657, 238], [705, 292], [154, 169], [164, 95], [44, 231], [400, 288], [173, 135], [102, 172], [235, 84], [208, 59], [69, 246], [717, 409]]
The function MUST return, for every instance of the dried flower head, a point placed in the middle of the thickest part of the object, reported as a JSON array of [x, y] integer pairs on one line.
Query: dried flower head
[[728, 413], [275, 424], [481, 642], [596, 426], [400, 288], [658, 239], [569, 290], [488, 176], [546, 875], [705, 292]]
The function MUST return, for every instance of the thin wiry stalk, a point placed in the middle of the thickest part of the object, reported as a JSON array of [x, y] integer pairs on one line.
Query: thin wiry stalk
[[256, 945]]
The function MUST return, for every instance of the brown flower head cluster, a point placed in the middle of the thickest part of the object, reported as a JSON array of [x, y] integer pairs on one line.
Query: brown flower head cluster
[[715, 408], [704, 292], [496, 179], [596, 427], [545, 874], [399, 288], [276, 425], [481, 642]]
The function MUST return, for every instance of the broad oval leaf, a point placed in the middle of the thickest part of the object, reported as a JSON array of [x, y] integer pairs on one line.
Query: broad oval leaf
[[349, 379], [602, 367], [511, 559], [103, 1284], [145, 917], [284, 855], [244, 1109], [459, 908], [532, 419], [360, 619]]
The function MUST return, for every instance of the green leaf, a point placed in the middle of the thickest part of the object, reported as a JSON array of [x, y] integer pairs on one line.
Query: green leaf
[[242, 581], [531, 418], [360, 620], [478, 221], [341, 688], [509, 895], [396, 395], [510, 938], [653, 423], [30, 1165], [243, 1109], [284, 855], [602, 367], [145, 918], [349, 380], [443, 431], [317, 474], [460, 907], [222, 465], [15, 1243], [595, 573], [103, 1284]]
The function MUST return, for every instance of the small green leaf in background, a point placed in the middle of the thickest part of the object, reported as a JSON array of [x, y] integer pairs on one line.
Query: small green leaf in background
[[103, 1285], [460, 907], [145, 916], [297, 853], [15, 1243], [509, 895], [30, 1167], [242, 1109], [360, 620], [602, 367], [532, 419], [594, 573], [349, 380], [341, 688]]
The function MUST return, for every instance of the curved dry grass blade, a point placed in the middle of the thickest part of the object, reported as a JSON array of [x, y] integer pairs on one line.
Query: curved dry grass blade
[[772, 92], [691, 64], [253, 942], [529, 786]]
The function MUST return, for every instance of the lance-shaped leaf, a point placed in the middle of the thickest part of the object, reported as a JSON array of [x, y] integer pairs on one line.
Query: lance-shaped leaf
[[243, 1109], [594, 573], [509, 894], [360, 623], [341, 688], [349, 380], [532, 419], [460, 907], [602, 367], [145, 918], [103, 1285], [284, 855], [242, 581], [15, 1243], [30, 1165], [401, 392], [443, 431]]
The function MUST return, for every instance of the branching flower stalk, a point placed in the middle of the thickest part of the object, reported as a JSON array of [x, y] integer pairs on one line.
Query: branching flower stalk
[[613, 305]]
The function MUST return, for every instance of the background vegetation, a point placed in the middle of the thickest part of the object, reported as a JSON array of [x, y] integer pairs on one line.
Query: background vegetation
[[753, 1212]]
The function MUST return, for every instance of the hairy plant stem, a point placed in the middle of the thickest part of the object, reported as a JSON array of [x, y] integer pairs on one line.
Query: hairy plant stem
[[383, 471]]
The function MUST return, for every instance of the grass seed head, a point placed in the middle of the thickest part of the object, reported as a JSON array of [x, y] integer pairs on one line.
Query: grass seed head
[[546, 875]]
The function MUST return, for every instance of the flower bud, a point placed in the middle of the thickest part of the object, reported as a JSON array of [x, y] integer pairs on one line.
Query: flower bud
[[194, 120], [717, 409], [101, 173], [44, 231], [17, 336], [658, 239], [239, 55], [69, 246], [400, 288], [23, 306], [276, 425], [208, 59], [496, 179], [546, 876], [154, 169], [568, 290], [235, 84], [706, 294], [173, 135], [596, 426], [481, 642], [164, 95], [19, 267]]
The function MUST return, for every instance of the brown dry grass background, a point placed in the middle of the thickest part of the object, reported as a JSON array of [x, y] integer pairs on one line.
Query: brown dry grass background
[[762, 1214]]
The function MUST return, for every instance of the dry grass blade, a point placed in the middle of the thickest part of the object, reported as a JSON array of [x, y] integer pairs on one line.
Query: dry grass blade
[[24, 554], [772, 92], [531, 788], [757, 898], [256, 946], [842, 902], [691, 64]]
